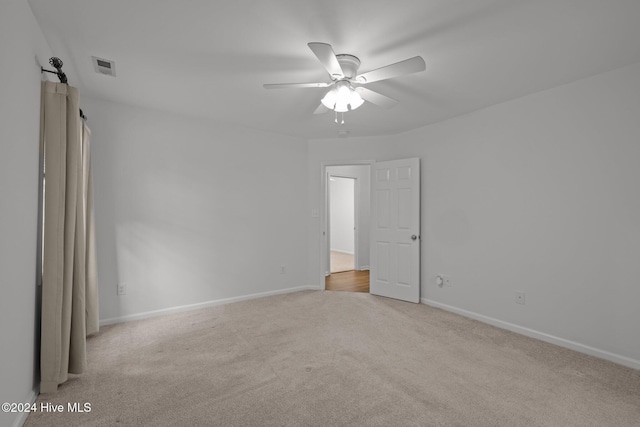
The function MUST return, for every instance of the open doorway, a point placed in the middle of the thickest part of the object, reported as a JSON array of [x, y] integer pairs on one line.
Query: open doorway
[[393, 204], [342, 224], [347, 211]]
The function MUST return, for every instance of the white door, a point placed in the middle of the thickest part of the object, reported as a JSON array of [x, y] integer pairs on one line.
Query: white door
[[395, 230]]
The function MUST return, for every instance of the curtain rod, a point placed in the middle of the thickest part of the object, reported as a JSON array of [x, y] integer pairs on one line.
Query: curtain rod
[[57, 64]]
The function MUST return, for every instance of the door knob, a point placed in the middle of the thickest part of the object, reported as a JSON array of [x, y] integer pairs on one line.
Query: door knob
[[414, 237]]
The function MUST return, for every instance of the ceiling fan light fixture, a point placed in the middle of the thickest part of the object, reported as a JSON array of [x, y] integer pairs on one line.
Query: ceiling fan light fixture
[[341, 106], [329, 99], [356, 100], [342, 98], [343, 94]]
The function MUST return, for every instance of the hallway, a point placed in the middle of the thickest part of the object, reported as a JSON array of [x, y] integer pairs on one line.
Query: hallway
[[350, 281]]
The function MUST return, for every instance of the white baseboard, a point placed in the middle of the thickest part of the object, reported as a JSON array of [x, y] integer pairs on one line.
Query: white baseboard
[[342, 252], [572, 345], [22, 416], [178, 309], [365, 268]]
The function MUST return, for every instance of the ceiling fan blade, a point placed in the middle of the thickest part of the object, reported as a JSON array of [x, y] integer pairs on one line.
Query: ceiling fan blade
[[298, 85], [327, 58], [376, 98], [408, 66], [321, 109]]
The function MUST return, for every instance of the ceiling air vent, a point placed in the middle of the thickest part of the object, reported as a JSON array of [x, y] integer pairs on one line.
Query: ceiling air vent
[[104, 66]]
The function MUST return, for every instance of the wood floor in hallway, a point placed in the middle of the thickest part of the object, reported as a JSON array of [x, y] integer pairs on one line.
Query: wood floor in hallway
[[350, 281]]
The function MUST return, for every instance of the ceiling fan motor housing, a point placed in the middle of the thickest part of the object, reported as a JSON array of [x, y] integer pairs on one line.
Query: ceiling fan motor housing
[[349, 65]]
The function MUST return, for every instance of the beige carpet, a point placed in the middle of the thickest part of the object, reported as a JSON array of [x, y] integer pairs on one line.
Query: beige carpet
[[341, 261], [323, 358]]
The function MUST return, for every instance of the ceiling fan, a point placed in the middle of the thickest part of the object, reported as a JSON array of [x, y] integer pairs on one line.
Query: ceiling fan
[[347, 92]]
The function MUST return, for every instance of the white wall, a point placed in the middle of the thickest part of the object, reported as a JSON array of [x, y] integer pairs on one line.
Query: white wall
[[20, 41], [342, 214], [190, 211], [538, 195], [541, 195]]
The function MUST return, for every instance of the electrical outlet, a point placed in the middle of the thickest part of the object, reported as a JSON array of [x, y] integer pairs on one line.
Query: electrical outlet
[[447, 280], [520, 297], [443, 280], [122, 289], [283, 269]]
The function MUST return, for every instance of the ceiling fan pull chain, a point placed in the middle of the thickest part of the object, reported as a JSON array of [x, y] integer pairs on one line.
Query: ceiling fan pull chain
[[336, 119], [342, 122]]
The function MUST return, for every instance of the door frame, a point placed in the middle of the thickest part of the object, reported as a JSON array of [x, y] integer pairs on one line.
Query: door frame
[[324, 211]]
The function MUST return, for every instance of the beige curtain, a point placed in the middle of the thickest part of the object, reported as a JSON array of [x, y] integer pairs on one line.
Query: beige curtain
[[69, 277]]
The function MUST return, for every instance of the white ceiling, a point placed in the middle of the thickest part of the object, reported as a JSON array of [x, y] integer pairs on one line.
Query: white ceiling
[[209, 58]]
